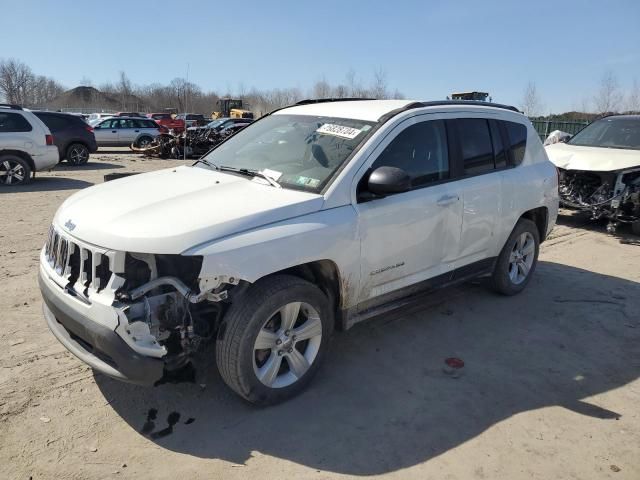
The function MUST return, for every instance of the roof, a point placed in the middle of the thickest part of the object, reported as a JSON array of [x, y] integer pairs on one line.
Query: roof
[[373, 110], [370, 110], [621, 117]]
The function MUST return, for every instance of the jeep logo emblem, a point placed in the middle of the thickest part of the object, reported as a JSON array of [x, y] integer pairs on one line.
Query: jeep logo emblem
[[70, 225]]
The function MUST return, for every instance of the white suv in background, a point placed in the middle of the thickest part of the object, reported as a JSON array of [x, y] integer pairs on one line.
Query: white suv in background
[[26, 145], [314, 217]]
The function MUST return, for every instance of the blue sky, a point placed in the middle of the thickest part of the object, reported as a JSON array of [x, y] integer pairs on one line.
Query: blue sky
[[427, 48]]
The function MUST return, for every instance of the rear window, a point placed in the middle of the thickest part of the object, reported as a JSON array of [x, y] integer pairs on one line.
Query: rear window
[[475, 145], [13, 122], [517, 134]]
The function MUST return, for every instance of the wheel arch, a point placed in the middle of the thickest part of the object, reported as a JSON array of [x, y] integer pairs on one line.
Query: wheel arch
[[25, 156], [322, 273], [539, 216]]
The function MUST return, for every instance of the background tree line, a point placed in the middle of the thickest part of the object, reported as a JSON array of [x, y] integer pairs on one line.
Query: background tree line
[[19, 85]]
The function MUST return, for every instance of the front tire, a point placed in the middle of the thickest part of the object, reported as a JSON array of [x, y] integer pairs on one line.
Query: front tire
[[14, 170], [518, 259], [273, 339]]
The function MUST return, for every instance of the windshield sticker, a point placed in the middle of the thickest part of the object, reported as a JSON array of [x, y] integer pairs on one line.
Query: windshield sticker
[[339, 131], [307, 181], [271, 174]]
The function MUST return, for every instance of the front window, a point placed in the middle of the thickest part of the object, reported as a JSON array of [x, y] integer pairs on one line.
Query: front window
[[610, 133], [299, 152]]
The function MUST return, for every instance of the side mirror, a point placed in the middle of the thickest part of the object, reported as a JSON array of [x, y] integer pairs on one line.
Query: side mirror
[[388, 180]]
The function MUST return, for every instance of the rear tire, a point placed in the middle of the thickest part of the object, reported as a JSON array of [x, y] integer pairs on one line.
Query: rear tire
[[14, 170], [273, 339], [517, 260], [77, 154], [635, 228], [143, 142]]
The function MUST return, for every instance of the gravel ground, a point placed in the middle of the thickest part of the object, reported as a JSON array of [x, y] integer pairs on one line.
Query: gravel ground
[[550, 387]]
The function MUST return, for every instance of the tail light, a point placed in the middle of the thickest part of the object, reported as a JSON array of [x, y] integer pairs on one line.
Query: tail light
[[89, 128], [48, 139]]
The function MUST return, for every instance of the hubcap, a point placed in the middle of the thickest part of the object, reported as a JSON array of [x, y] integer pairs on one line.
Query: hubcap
[[287, 345], [521, 258], [11, 172]]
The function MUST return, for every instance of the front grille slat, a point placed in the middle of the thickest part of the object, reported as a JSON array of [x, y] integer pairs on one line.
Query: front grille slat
[[76, 263]]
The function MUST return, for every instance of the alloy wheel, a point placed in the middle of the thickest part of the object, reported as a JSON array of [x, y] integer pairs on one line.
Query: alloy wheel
[[78, 154], [11, 172], [287, 345], [521, 258]]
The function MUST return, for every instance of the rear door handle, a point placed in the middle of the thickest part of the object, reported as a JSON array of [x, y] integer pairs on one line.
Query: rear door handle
[[114, 131], [447, 200], [136, 131]]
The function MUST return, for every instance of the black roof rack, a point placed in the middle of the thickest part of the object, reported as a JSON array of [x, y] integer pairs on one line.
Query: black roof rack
[[10, 106], [438, 103], [309, 101]]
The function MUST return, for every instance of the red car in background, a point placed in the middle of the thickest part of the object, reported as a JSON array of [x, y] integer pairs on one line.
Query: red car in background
[[167, 121]]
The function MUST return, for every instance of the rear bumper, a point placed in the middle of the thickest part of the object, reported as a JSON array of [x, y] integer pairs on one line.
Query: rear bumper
[[48, 159], [93, 343]]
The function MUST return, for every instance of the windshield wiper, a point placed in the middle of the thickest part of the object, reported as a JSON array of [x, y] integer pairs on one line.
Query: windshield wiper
[[207, 163], [250, 173]]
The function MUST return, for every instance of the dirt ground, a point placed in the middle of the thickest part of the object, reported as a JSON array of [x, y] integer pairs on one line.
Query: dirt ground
[[550, 387]]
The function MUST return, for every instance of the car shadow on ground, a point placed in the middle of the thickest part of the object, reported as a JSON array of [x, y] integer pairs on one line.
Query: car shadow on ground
[[45, 184], [91, 165], [382, 402]]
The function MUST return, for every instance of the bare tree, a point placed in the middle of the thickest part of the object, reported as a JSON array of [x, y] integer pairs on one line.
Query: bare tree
[[531, 104], [633, 98], [608, 97], [379, 85], [15, 81], [321, 89]]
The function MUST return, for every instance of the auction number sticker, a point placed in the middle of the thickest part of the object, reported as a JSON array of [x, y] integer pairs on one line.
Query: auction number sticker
[[339, 131]]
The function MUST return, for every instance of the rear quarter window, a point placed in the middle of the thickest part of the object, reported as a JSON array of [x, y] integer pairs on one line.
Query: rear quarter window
[[517, 135], [55, 122], [13, 122]]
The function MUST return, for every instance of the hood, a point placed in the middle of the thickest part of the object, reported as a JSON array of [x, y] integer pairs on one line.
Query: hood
[[170, 211], [596, 159]]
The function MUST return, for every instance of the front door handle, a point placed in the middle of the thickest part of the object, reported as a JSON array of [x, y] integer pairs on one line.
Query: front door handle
[[447, 200], [136, 131], [114, 131]]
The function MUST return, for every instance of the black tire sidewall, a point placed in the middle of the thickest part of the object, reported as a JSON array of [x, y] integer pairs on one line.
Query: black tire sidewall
[[139, 141], [297, 291], [68, 156], [25, 166], [501, 280]]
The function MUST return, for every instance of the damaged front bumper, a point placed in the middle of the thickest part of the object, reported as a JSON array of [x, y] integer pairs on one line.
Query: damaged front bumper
[[92, 342], [134, 317], [611, 195]]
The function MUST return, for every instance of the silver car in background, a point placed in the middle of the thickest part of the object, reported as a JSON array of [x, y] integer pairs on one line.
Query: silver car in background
[[124, 131]]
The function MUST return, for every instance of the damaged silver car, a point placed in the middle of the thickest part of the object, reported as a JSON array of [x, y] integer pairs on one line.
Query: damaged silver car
[[599, 170]]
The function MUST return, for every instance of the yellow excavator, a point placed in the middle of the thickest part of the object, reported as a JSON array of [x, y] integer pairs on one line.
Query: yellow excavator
[[231, 107]]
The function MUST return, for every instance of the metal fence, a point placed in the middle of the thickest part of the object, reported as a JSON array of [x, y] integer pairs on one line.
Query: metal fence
[[545, 127]]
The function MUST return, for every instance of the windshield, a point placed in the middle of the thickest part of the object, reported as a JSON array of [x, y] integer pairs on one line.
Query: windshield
[[610, 133], [215, 123], [299, 152]]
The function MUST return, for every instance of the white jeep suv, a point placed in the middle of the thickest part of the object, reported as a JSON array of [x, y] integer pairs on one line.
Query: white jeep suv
[[26, 145], [317, 216]]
